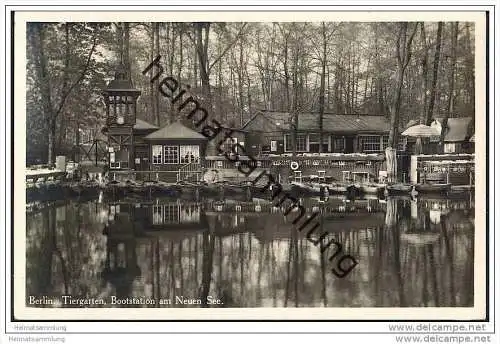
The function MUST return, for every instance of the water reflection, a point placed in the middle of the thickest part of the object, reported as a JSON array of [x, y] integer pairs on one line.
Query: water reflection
[[410, 253]]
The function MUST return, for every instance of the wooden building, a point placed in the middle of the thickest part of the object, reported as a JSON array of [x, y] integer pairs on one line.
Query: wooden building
[[457, 135], [142, 156], [136, 147], [457, 138], [270, 132], [120, 97], [177, 151]]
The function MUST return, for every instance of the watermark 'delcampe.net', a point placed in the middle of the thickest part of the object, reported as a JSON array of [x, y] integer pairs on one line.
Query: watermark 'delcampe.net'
[[170, 88]]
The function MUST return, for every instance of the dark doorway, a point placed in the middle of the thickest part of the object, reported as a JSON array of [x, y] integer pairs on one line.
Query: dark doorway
[[349, 144]]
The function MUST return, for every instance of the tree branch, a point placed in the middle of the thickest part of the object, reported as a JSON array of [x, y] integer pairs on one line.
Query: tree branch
[[229, 46], [78, 80]]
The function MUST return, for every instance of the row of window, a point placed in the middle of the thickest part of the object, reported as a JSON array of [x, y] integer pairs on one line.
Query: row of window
[[174, 213], [182, 154], [337, 144]]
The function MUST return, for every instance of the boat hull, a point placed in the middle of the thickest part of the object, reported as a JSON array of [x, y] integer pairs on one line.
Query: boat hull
[[398, 189], [372, 189], [433, 188]]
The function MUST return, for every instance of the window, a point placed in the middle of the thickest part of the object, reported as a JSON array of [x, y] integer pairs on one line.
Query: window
[[301, 143], [171, 155], [112, 162], [274, 146], [385, 142], [190, 154], [314, 140], [288, 143], [119, 158], [157, 154], [449, 148], [369, 143], [403, 141], [227, 145], [400, 146], [339, 144]]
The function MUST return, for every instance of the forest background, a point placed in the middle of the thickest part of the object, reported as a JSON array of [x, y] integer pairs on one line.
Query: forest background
[[402, 70]]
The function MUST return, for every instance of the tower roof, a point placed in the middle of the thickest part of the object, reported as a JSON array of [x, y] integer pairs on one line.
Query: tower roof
[[122, 81]]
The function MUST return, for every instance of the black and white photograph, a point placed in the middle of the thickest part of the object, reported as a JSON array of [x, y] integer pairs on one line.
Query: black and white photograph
[[264, 164]]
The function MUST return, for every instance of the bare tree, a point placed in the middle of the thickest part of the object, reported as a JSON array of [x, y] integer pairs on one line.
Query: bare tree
[[403, 54], [451, 81], [435, 70]]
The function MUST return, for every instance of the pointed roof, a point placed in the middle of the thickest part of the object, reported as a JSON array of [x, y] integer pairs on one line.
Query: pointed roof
[[121, 82], [143, 125], [175, 130]]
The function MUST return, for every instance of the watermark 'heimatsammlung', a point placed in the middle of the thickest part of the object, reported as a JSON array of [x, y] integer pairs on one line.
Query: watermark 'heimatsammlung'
[[171, 88]]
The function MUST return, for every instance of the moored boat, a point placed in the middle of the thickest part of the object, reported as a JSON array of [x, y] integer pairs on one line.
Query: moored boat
[[433, 188], [372, 188], [309, 189], [420, 238], [398, 189], [353, 190], [337, 188]]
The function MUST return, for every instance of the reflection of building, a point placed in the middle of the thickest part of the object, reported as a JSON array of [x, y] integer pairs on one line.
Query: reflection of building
[[145, 219], [121, 267], [135, 225]]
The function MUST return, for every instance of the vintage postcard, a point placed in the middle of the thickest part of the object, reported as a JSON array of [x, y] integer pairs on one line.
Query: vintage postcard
[[230, 165]]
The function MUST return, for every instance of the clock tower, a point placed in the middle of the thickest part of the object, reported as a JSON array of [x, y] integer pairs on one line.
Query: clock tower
[[120, 97]]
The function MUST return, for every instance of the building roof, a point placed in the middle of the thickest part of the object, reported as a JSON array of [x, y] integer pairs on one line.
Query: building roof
[[351, 123], [346, 123], [143, 125], [175, 130]]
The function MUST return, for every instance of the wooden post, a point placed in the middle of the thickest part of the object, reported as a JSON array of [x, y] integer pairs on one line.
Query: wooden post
[[390, 154]]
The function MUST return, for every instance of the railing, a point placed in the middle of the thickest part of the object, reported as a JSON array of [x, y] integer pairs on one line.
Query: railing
[[145, 175], [189, 170]]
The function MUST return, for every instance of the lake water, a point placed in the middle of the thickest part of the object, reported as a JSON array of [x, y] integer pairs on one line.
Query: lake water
[[410, 253]]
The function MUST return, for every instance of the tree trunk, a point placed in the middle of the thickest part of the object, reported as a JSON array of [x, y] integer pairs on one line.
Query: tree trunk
[[52, 147], [322, 88], [403, 49], [126, 49], [240, 81], [425, 71], [202, 30], [45, 87], [469, 72], [287, 76], [451, 82], [156, 29], [435, 70], [295, 104], [152, 102]]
